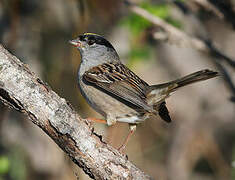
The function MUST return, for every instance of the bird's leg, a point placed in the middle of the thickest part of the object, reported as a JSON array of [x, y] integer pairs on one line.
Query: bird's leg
[[97, 120], [132, 130]]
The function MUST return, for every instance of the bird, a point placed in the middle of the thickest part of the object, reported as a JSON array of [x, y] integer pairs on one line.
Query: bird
[[116, 92]]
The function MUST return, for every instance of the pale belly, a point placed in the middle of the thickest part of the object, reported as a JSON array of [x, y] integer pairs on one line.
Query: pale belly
[[112, 109]]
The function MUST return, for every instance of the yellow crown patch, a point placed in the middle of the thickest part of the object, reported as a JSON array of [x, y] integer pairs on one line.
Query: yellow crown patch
[[91, 34]]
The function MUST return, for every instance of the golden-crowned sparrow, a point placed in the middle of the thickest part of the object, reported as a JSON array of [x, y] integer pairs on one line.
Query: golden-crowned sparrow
[[115, 91]]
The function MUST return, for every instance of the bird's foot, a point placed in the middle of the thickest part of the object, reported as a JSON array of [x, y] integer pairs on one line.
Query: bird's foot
[[97, 120]]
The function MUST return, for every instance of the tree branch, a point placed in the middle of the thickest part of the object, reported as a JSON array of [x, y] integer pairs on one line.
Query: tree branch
[[209, 7], [174, 35], [180, 38], [23, 91]]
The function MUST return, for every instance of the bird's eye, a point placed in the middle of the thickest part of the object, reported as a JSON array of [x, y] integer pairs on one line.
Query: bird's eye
[[90, 42]]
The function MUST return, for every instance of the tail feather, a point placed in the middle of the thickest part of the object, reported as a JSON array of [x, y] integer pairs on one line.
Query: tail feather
[[157, 94], [186, 80], [196, 77], [163, 112]]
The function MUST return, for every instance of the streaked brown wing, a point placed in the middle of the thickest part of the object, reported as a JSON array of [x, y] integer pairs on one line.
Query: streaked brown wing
[[117, 79]]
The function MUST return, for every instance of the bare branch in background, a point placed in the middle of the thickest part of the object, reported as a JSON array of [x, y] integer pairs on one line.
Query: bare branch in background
[[174, 35], [23, 91], [227, 78], [222, 9], [209, 7], [226, 8], [180, 38]]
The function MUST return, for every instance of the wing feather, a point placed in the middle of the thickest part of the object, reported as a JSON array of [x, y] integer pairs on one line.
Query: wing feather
[[118, 80]]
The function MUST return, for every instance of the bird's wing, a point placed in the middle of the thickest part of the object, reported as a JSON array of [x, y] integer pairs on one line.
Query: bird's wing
[[117, 80]]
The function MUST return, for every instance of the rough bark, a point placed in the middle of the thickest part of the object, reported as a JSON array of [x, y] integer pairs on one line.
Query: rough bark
[[24, 91]]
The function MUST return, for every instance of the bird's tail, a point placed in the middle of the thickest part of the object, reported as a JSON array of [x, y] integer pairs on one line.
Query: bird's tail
[[157, 94]]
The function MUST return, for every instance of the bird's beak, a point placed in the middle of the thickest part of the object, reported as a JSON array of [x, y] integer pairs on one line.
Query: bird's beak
[[75, 43]]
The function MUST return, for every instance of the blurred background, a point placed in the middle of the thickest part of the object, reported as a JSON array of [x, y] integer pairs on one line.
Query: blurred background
[[198, 144]]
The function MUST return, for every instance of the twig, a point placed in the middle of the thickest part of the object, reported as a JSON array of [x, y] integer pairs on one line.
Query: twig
[[227, 78], [217, 53], [178, 37], [23, 91], [226, 8], [174, 35], [210, 7]]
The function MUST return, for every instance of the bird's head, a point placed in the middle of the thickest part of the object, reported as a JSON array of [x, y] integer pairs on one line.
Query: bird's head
[[94, 47]]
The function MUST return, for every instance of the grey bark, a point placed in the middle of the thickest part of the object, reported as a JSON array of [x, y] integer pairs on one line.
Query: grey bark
[[22, 90]]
